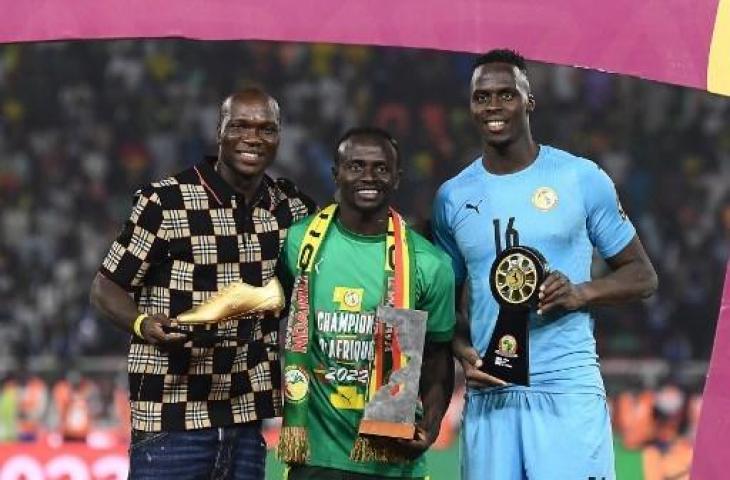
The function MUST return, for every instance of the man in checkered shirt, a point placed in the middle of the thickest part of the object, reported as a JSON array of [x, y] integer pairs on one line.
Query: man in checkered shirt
[[197, 405]]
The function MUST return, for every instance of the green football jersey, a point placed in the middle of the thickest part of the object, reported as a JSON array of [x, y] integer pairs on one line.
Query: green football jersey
[[348, 282]]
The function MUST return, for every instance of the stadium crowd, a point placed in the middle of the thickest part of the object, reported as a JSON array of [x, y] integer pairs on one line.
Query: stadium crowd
[[84, 124]]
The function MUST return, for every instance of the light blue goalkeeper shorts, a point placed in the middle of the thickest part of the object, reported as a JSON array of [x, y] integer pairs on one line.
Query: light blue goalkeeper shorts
[[513, 435]]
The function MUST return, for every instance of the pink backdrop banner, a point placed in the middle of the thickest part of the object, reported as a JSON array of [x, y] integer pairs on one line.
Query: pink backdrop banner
[[711, 444], [664, 40]]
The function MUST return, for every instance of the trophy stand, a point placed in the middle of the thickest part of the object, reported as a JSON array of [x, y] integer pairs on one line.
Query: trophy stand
[[515, 279]]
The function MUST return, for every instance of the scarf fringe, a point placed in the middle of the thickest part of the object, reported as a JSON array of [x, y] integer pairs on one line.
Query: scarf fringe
[[293, 445], [366, 450]]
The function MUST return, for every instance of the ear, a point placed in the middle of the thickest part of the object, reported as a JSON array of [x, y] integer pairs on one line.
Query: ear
[[334, 172], [219, 131], [398, 175], [530, 103]]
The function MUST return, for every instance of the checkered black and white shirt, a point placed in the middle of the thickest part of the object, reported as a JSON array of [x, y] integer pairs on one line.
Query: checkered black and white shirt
[[187, 237]]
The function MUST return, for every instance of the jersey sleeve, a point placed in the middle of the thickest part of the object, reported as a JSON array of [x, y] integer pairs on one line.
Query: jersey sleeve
[[290, 251], [609, 229], [143, 242], [443, 235], [436, 287]]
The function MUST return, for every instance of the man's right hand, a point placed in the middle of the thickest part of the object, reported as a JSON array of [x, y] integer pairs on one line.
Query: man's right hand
[[470, 362], [153, 332]]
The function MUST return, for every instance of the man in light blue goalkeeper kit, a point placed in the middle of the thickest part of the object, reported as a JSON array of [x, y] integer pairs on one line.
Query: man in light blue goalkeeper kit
[[523, 193]]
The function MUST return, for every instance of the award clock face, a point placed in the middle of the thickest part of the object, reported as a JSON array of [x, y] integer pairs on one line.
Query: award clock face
[[516, 275]]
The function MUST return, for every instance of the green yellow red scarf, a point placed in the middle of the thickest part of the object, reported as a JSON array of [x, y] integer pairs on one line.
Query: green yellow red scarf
[[400, 281]]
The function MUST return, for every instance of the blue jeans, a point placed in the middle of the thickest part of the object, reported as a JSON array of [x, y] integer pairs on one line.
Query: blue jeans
[[236, 452]]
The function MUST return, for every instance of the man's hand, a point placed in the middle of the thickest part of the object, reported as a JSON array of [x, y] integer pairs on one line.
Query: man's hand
[[153, 332], [470, 362], [417, 446], [408, 448], [557, 291]]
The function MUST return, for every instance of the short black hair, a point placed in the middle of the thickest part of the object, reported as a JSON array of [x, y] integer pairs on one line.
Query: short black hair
[[501, 55], [367, 132]]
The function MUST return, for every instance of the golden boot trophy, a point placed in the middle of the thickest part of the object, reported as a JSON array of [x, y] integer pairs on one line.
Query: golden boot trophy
[[235, 301]]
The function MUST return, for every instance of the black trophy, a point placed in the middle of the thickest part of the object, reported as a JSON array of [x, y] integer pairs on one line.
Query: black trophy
[[515, 280]]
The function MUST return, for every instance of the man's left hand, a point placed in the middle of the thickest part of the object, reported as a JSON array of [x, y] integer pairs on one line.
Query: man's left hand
[[557, 291]]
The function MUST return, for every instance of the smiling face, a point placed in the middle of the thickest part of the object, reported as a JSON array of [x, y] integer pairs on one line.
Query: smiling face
[[248, 133], [366, 173], [501, 103]]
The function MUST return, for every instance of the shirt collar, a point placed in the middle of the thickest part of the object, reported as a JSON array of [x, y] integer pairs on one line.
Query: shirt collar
[[222, 192]]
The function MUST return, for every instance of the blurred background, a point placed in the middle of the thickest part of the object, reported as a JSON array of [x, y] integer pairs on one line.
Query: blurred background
[[84, 124]]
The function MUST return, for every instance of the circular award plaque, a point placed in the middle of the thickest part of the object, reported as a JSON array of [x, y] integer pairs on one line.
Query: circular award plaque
[[516, 275]]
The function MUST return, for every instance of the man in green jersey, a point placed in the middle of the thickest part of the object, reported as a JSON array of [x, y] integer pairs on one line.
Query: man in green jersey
[[342, 273]]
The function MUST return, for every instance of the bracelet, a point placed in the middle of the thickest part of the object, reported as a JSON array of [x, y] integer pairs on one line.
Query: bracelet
[[137, 325]]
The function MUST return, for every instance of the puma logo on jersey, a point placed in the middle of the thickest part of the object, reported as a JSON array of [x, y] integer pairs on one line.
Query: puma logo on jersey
[[471, 206]]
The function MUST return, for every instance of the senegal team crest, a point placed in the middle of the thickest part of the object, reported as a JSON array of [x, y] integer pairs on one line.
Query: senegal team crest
[[296, 384], [544, 199], [507, 346], [350, 299]]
